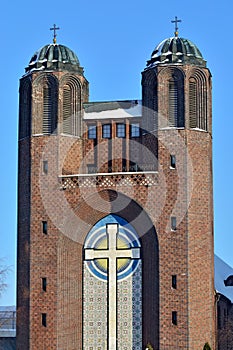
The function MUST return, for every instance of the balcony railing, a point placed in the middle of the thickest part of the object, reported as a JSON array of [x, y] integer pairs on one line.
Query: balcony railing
[[135, 168], [128, 176]]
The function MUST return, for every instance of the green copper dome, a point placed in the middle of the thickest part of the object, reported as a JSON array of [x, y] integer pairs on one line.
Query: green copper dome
[[54, 57], [176, 50]]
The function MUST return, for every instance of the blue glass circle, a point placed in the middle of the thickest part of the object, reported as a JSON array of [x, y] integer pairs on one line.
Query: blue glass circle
[[97, 239]]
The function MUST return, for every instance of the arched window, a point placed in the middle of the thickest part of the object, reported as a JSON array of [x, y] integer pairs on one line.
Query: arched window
[[197, 101], [25, 109], [173, 102], [176, 99], [112, 273], [71, 121], [149, 101], [67, 110], [46, 90], [192, 103], [47, 110]]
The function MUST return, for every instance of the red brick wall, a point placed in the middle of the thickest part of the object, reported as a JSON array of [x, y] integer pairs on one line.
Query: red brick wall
[[23, 247], [184, 192]]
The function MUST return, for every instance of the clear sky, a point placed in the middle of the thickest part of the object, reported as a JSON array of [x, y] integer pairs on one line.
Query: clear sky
[[113, 41]]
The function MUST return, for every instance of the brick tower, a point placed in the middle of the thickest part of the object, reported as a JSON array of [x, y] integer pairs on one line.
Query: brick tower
[[115, 212]]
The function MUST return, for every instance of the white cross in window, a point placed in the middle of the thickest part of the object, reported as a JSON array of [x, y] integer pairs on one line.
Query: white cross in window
[[112, 254]]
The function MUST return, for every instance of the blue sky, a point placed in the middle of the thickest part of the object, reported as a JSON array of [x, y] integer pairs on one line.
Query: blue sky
[[113, 41]]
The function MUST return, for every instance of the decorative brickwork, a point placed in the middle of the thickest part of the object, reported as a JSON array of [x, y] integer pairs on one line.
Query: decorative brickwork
[[111, 180], [87, 179]]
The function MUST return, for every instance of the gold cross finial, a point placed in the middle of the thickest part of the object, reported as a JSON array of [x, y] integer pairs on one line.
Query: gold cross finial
[[176, 27], [54, 28]]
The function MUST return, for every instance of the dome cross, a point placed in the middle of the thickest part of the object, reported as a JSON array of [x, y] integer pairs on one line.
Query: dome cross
[[54, 28], [176, 21]]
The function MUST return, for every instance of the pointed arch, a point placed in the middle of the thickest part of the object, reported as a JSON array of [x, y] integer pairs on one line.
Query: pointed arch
[[110, 202], [46, 89], [71, 105], [173, 101], [47, 109], [150, 100], [25, 92], [198, 100], [173, 81]]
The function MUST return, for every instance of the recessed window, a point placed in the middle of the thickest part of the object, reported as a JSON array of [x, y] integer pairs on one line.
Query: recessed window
[[47, 109], [92, 131], [106, 131], [44, 283], [197, 97], [44, 319], [120, 132], [174, 281], [176, 100], [91, 169], [45, 227], [193, 105], [174, 317], [173, 223], [67, 109], [173, 102], [45, 166], [135, 130], [173, 161]]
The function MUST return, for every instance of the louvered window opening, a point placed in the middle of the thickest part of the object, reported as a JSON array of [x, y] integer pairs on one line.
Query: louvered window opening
[[71, 109], [203, 110], [197, 105], [192, 104], [47, 112], [173, 103], [25, 112], [150, 101], [67, 110]]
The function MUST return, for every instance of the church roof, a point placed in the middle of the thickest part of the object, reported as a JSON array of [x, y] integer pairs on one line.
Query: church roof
[[176, 50], [54, 57], [112, 109], [222, 272]]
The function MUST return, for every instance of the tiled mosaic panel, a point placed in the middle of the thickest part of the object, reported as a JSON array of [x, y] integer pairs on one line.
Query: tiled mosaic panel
[[129, 312], [137, 308], [94, 313], [124, 314]]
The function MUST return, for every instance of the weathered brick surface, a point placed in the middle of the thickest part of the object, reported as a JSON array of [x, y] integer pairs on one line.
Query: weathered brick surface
[[187, 252], [23, 248]]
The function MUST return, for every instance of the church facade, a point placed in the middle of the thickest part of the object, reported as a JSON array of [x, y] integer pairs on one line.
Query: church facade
[[115, 207]]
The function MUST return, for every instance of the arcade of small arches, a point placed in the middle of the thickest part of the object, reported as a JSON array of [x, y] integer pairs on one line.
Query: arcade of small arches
[[61, 101], [175, 83]]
